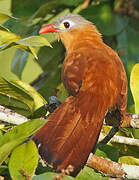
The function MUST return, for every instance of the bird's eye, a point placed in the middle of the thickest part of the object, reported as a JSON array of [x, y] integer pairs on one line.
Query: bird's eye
[[66, 24]]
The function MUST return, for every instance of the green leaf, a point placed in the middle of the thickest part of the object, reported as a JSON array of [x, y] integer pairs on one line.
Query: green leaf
[[136, 133], [50, 176], [20, 59], [38, 99], [37, 41], [3, 28], [4, 17], [127, 132], [8, 37], [33, 52], [127, 150], [20, 96], [129, 160], [18, 27], [134, 85], [23, 161], [18, 135], [107, 151], [22, 47], [13, 95], [108, 22], [19, 62], [89, 174]]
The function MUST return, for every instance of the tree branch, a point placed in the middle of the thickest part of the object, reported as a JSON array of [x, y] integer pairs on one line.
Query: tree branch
[[7, 115], [120, 139], [113, 169]]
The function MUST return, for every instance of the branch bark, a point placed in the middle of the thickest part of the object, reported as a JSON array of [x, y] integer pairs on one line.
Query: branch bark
[[113, 169], [120, 139], [7, 115]]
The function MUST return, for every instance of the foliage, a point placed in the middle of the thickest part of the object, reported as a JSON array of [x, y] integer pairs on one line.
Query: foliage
[[117, 20], [23, 161], [134, 83]]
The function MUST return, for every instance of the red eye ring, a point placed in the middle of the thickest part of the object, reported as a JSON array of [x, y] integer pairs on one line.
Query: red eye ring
[[66, 24]]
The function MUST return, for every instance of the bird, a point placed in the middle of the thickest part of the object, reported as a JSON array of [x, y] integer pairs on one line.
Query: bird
[[95, 78]]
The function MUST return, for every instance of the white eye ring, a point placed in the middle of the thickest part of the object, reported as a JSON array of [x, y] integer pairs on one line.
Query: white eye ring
[[67, 24]]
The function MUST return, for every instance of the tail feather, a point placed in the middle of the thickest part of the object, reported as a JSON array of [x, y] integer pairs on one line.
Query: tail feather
[[71, 133]]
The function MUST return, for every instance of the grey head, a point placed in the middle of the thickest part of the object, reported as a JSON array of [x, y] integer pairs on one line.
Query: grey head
[[70, 21]]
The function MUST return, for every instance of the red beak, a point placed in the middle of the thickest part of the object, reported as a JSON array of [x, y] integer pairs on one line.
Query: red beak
[[48, 28]]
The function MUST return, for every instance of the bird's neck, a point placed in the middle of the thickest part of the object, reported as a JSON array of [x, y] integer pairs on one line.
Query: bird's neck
[[81, 37]]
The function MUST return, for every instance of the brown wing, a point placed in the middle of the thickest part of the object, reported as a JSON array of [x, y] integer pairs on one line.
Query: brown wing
[[73, 71]]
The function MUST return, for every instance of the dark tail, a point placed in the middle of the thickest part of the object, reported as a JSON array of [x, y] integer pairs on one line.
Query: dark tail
[[72, 132]]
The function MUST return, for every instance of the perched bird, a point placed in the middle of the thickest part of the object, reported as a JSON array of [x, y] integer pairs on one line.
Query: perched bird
[[95, 79]]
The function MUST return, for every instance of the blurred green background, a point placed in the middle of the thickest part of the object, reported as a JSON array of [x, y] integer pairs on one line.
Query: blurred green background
[[7, 55]]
